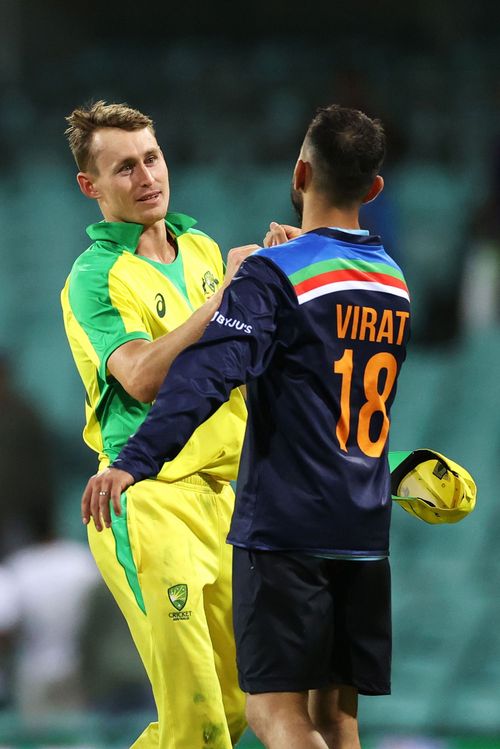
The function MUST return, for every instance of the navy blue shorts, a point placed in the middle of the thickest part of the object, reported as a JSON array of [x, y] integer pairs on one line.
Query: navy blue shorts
[[307, 623]]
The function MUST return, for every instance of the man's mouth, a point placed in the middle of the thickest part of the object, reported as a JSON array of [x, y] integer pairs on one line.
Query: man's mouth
[[150, 197]]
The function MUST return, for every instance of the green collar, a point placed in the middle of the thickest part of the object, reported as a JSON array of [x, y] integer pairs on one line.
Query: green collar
[[127, 235]]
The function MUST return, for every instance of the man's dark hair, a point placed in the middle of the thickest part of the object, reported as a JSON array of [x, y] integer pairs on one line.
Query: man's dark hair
[[348, 151]]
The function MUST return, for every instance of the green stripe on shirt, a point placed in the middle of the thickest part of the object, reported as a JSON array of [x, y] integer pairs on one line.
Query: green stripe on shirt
[[325, 266]]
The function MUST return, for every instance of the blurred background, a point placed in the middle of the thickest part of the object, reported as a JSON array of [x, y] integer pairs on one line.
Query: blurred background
[[231, 88]]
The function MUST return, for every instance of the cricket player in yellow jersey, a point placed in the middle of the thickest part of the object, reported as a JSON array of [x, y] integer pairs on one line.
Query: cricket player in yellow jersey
[[144, 290]]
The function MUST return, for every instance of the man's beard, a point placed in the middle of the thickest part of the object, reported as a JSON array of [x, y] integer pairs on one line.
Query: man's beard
[[297, 202]]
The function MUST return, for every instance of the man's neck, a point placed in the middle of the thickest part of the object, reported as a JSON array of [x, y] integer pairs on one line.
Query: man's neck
[[317, 216], [156, 244]]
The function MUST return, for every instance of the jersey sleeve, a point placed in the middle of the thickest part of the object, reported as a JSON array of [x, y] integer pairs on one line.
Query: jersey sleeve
[[236, 348], [106, 311]]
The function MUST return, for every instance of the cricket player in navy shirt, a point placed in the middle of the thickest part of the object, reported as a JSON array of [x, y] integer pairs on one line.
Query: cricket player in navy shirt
[[316, 324]]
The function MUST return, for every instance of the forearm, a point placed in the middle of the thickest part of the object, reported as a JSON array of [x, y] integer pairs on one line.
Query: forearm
[[156, 358], [202, 377], [142, 366], [183, 403]]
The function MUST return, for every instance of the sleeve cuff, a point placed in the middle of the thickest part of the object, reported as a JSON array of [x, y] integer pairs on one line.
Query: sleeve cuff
[[116, 344], [140, 468]]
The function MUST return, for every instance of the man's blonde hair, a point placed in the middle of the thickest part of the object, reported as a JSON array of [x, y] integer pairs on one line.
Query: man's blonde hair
[[84, 121]]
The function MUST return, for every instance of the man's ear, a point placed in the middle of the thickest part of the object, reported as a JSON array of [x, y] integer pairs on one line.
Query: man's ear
[[86, 185], [300, 174], [375, 189]]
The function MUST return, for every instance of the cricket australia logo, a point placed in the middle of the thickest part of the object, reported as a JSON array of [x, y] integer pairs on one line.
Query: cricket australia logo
[[209, 283], [178, 595]]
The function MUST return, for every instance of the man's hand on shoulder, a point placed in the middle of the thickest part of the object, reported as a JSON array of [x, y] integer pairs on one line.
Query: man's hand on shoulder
[[280, 233], [235, 257], [101, 489]]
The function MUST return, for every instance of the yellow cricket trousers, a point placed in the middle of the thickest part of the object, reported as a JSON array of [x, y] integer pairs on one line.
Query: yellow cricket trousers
[[167, 563]]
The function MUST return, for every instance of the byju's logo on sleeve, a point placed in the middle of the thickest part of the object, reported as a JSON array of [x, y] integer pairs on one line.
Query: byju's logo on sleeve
[[231, 322]]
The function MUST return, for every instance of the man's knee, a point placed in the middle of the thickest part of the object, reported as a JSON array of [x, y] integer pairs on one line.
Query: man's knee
[[270, 712]]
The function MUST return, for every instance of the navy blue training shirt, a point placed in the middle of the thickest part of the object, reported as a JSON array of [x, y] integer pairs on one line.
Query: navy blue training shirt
[[317, 328]]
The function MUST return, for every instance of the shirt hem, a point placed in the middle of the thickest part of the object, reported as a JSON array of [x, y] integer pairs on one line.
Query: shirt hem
[[360, 554]]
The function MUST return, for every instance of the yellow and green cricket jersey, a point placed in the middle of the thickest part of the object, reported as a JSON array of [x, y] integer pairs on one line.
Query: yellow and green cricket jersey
[[113, 296]]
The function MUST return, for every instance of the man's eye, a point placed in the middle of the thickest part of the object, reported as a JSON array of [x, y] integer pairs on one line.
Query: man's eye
[[126, 168], [151, 159]]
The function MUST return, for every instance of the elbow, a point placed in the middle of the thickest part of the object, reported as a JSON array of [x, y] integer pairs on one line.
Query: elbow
[[141, 390], [144, 396]]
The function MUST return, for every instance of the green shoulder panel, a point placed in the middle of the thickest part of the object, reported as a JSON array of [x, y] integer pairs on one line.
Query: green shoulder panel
[[201, 234], [89, 297], [90, 302]]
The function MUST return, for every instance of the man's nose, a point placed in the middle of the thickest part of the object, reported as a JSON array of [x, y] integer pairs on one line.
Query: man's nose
[[145, 175]]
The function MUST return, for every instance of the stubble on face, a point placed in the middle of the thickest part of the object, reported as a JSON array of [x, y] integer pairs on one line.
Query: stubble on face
[[298, 202]]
